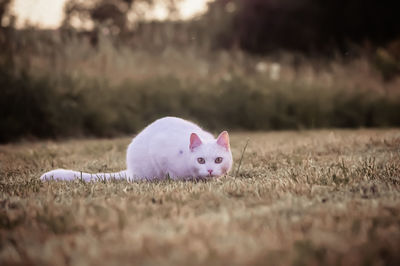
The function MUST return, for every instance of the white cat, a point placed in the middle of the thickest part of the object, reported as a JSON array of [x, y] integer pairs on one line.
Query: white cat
[[170, 146]]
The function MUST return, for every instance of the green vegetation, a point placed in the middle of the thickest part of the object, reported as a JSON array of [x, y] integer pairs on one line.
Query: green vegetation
[[243, 65], [64, 106], [301, 198], [221, 70]]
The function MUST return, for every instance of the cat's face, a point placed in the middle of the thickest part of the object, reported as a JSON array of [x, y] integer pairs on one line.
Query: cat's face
[[211, 158]]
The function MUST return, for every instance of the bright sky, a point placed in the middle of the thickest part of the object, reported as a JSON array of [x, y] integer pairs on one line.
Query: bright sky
[[49, 13]]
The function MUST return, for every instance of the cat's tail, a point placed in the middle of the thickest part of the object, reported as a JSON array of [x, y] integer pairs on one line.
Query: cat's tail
[[68, 175]]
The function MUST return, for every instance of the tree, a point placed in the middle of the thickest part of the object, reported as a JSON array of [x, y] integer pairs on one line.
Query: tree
[[4, 9], [260, 26], [110, 14]]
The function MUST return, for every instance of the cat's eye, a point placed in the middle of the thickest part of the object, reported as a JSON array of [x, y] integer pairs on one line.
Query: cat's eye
[[218, 160], [201, 160]]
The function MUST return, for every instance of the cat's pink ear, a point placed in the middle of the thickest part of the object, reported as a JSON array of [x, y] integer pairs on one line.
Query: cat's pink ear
[[195, 141], [223, 140]]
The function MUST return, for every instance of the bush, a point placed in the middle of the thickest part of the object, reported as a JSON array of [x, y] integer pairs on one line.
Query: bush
[[48, 108]]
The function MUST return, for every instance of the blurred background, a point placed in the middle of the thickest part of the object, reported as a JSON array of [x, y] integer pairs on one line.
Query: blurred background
[[73, 68]]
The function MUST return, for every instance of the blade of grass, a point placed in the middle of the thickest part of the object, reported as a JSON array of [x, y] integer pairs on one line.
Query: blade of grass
[[241, 158]]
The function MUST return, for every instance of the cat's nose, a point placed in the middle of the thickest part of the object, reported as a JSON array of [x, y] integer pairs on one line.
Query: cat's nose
[[210, 171]]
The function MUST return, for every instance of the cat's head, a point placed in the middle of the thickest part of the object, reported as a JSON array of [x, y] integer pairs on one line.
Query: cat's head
[[210, 158]]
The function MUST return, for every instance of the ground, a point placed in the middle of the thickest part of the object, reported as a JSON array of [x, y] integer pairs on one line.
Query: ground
[[329, 197]]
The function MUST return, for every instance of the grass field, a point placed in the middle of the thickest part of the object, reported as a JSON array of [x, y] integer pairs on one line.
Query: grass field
[[329, 197]]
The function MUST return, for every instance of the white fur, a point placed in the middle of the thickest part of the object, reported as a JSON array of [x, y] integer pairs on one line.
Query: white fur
[[163, 149]]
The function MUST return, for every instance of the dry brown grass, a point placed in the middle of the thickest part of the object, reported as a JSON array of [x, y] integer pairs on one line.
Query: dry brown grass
[[302, 198]]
